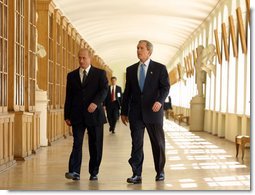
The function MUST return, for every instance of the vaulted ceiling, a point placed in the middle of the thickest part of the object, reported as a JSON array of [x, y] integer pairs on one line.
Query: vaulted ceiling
[[114, 27]]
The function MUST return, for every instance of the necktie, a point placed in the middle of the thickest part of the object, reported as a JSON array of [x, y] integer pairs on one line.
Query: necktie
[[142, 76], [112, 94], [84, 77]]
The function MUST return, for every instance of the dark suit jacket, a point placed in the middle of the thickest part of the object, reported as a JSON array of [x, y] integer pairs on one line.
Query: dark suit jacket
[[79, 97], [118, 91], [137, 105]]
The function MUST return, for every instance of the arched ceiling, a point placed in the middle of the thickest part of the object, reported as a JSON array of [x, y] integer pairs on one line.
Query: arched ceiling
[[114, 27]]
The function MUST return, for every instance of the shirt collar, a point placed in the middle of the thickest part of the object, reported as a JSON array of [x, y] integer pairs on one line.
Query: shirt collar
[[87, 69], [146, 63]]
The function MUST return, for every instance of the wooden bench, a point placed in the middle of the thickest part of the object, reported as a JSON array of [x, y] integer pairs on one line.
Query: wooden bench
[[241, 140], [169, 113], [181, 118], [185, 119], [178, 117]]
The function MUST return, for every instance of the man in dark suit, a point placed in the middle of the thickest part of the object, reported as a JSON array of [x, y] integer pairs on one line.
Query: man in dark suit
[[86, 90], [147, 86], [113, 103]]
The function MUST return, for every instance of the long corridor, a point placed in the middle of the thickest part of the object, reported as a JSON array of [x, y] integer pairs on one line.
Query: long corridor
[[195, 161]]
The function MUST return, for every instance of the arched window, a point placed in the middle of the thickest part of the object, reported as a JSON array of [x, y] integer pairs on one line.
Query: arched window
[[224, 65], [248, 79], [241, 66], [232, 64], [218, 67], [208, 98]]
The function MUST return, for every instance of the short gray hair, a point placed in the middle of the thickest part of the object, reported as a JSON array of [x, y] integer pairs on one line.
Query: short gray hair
[[148, 45], [85, 50]]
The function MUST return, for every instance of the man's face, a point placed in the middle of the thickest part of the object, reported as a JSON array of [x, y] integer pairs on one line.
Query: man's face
[[113, 81], [142, 52], [84, 58]]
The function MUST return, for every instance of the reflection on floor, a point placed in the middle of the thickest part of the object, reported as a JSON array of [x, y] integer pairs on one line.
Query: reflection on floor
[[208, 162], [195, 161]]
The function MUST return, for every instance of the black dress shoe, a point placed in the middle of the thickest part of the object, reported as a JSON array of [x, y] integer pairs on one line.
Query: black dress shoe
[[135, 179], [93, 178], [160, 177], [73, 176]]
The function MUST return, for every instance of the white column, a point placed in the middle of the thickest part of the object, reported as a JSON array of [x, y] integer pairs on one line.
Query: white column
[[41, 101], [197, 108]]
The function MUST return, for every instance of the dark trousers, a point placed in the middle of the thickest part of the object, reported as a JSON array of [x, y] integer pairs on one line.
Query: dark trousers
[[157, 139], [112, 111], [95, 139]]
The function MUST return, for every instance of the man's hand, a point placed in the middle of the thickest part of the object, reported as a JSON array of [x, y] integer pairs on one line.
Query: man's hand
[[124, 119], [68, 122], [92, 107], [156, 106]]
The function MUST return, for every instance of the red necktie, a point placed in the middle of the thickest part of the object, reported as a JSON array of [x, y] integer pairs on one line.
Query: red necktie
[[112, 94]]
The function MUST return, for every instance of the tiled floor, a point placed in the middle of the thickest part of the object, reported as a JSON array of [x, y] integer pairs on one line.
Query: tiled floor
[[195, 161]]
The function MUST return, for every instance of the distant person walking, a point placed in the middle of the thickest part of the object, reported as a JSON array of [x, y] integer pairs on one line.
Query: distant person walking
[[113, 104]]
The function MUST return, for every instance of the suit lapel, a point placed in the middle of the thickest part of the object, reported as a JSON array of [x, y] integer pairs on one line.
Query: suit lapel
[[117, 91], [89, 76], [136, 75], [77, 76], [149, 75]]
